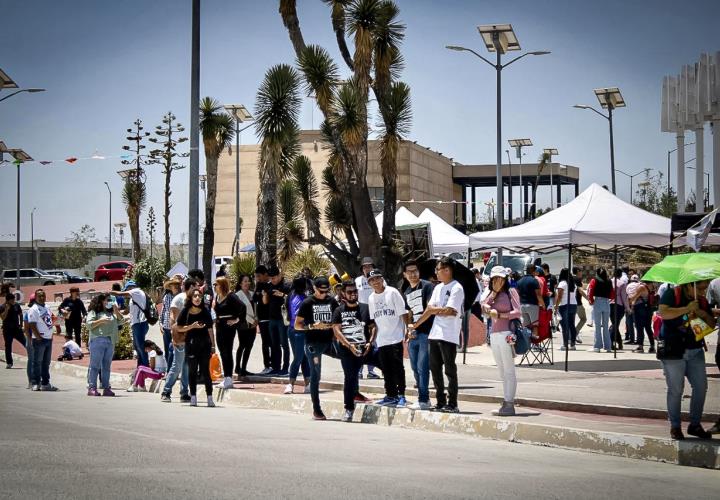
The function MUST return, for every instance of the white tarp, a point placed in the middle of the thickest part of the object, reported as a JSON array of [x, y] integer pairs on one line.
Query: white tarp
[[595, 217], [446, 239], [403, 217]]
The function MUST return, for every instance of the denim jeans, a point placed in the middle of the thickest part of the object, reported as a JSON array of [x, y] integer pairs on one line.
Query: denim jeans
[[300, 360], [420, 364], [178, 368], [42, 353], [139, 331], [569, 332], [351, 364], [101, 354], [692, 366], [601, 317], [280, 350], [167, 345], [31, 360], [314, 352]]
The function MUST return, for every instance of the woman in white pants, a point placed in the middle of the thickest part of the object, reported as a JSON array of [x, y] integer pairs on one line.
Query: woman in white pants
[[503, 305]]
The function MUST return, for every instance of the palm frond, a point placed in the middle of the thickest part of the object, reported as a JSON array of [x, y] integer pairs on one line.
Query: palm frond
[[217, 127], [329, 182], [288, 206], [388, 34], [361, 18], [349, 119], [396, 111], [337, 216], [321, 75], [277, 106], [307, 188]]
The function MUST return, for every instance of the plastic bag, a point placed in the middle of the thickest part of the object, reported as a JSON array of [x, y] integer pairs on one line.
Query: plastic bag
[[216, 372]]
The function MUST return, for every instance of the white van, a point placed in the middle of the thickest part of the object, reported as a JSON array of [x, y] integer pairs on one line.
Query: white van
[[519, 261]]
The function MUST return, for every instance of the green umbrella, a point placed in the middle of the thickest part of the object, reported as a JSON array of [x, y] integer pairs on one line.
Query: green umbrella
[[685, 268]]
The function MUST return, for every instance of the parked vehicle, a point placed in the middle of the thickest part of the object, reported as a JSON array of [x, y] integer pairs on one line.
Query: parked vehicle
[[32, 276], [71, 278], [112, 271], [518, 261]]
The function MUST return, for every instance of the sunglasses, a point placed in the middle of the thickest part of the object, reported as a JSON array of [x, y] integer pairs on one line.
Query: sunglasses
[[323, 290], [351, 292]]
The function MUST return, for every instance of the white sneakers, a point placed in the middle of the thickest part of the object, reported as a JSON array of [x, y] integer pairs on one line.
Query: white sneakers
[[211, 403], [132, 388], [307, 389], [265, 371], [227, 383], [420, 406], [193, 400], [288, 389]]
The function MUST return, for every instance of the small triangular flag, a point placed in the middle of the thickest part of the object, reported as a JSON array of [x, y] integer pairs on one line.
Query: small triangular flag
[[72, 159], [45, 162]]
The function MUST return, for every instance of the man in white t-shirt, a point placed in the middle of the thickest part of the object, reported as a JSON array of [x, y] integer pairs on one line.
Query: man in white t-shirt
[[446, 304], [41, 326], [138, 323], [387, 309]]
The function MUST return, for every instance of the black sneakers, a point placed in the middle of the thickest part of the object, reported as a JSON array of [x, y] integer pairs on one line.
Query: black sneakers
[[697, 431], [185, 398]]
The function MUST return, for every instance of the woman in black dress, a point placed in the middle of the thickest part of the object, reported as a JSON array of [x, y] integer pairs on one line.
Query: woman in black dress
[[196, 322]]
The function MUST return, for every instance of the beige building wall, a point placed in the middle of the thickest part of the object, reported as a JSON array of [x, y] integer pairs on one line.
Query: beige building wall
[[422, 175]]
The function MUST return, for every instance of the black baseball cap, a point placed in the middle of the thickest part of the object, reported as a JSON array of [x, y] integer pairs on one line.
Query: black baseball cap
[[261, 269], [375, 273], [321, 282], [273, 271]]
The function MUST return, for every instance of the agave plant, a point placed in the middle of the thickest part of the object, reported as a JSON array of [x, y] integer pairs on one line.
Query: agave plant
[[311, 258], [217, 129], [277, 108]]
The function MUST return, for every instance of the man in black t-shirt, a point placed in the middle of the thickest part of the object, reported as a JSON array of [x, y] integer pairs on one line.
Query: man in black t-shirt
[[528, 289], [552, 282], [274, 297], [354, 331], [417, 295], [682, 355], [262, 313], [74, 312], [11, 316], [315, 319]]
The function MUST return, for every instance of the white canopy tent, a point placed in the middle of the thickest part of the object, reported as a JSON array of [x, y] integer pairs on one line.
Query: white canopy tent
[[403, 217], [595, 217], [446, 239]]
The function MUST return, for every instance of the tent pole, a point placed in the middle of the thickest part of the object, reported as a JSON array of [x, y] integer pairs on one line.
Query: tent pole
[[616, 330], [568, 300]]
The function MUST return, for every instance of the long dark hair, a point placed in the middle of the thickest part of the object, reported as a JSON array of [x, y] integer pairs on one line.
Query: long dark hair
[[240, 278], [149, 344], [505, 287], [189, 302], [96, 304], [567, 278], [601, 274]]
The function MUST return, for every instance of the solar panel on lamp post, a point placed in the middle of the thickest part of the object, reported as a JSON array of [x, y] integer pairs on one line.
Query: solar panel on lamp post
[[609, 98], [20, 157], [240, 113], [498, 38], [518, 144]]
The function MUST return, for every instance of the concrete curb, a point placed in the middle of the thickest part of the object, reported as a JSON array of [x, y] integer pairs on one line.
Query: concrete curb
[[542, 404], [693, 453]]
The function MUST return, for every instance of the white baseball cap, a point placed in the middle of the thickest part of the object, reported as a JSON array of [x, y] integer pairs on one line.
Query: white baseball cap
[[498, 271]]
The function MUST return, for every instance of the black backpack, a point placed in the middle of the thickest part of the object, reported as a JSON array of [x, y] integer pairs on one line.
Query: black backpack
[[150, 311]]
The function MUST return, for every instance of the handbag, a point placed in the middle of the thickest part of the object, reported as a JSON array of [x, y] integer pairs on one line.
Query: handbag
[[522, 334]]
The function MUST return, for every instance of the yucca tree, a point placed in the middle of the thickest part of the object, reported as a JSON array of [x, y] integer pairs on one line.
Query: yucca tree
[[218, 131], [543, 162], [134, 198], [305, 183], [277, 108], [290, 225]]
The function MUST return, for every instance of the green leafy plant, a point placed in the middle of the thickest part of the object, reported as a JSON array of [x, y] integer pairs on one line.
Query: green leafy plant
[[312, 258], [148, 273], [243, 263]]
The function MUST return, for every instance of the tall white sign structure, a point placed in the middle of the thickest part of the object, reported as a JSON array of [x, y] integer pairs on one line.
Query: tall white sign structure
[[688, 101]]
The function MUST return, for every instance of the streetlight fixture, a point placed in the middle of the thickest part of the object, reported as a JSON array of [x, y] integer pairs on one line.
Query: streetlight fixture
[[706, 195], [31, 90], [668, 165], [32, 234], [109, 222], [241, 115], [499, 38], [551, 152], [609, 98], [518, 144], [643, 171]]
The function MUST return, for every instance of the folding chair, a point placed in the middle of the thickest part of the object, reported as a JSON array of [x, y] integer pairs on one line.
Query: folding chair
[[541, 350]]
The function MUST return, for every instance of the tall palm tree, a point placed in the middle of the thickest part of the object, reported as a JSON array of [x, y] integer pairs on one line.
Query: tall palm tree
[[218, 131], [277, 108], [543, 162]]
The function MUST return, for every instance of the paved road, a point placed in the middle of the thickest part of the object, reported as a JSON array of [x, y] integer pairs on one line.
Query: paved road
[[66, 445]]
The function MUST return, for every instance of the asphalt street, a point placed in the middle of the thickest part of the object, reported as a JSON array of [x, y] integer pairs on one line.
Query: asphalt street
[[68, 445]]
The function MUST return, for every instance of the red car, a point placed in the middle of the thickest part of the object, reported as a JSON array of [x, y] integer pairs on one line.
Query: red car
[[112, 271]]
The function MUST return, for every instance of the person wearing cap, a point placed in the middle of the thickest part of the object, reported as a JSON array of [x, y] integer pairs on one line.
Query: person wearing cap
[[364, 291], [315, 319], [262, 312], [503, 305], [274, 298], [639, 298], [388, 311], [446, 308], [41, 328], [74, 312], [171, 289], [178, 367], [138, 322]]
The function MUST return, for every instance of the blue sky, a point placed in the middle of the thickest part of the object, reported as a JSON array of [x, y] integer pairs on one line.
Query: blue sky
[[104, 64]]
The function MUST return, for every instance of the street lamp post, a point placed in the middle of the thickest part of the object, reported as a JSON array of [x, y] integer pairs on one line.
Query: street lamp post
[[109, 222], [668, 166], [609, 98], [241, 114], [518, 144], [706, 194], [643, 171], [32, 235], [498, 38], [20, 157]]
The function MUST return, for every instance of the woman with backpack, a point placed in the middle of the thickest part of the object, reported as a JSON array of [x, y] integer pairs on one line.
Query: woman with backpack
[[503, 305], [229, 312], [682, 354], [600, 293], [566, 302]]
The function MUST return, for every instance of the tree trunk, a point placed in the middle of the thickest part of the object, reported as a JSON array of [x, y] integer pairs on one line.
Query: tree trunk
[[368, 237], [168, 173], [211, 165], [266, 228], [288, 12]]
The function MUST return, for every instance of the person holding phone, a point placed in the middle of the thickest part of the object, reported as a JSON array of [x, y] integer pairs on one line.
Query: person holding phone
[[196, 322]]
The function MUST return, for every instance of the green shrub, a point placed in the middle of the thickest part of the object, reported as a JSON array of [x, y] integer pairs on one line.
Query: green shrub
[[241, 264], [148, 273], [312, 258]]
